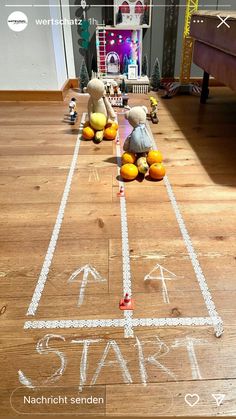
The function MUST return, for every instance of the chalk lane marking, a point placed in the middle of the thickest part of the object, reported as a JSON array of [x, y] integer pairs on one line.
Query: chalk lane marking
[[87, 270], [162, 278], [128, 322], [136, 322], [56, 230], [127, 284], [192, 255], [194, 260]]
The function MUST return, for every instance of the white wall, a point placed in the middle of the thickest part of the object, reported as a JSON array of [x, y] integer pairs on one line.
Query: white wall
[[33, 59], [68, 41], [58, 43]]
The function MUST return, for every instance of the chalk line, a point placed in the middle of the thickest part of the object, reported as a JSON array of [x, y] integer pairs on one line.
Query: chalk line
[[93, 175], [84, 359], [26, 381], [135, 322], [43, 348], [192, 254], [120, 360], [196, 375], [127, 284], [56, 230], [128, 322], [189, 343], [152, 360]]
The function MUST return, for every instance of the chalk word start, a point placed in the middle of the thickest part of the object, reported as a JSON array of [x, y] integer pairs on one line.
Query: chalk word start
[[154, 345]]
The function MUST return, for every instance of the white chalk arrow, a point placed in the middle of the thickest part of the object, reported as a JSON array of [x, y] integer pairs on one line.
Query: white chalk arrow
[[219, 398], [162, 278], [93, 175], [87, 270]]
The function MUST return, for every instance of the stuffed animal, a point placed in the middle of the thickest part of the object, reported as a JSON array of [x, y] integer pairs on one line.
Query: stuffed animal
[[139, 140], [98, 102]]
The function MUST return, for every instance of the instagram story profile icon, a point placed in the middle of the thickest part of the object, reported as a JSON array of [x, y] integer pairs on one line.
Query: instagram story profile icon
[[17, 21]]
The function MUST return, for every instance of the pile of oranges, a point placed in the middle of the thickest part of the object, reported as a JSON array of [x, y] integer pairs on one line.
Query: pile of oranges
[[98, 129], [107, 133], [151, 165]]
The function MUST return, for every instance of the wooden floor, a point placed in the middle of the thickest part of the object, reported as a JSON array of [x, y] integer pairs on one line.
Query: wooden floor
[[150, 373]]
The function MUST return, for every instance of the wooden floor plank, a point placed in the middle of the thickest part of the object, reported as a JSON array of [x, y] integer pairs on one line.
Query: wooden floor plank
[[154, 400], [35, 156]]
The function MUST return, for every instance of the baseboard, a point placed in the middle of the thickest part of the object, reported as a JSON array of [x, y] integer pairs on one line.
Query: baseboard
[[59, 95], [69, 84], [74, 83], [39, 95], [31, 95]]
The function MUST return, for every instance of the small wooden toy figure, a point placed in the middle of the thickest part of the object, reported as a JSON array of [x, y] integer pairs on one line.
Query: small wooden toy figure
[[115, 88], [153, 113], [73, 110], [98, 101], [108, 89]]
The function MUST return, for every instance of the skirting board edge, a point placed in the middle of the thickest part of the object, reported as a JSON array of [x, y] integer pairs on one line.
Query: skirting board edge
[[38, 95]]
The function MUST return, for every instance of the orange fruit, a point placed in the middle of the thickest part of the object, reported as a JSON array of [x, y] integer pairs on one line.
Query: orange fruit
[[154, 156], [115, 125], [110, 133], [112, 124], [129, 171], [157, 171], [88, 133], [128, 157]]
